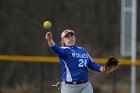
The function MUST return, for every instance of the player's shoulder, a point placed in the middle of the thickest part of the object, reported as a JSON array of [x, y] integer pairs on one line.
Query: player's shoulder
[[81, 48], [65, 47]]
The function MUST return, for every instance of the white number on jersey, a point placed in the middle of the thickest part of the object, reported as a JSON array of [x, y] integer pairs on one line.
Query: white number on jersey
[[83, 63]]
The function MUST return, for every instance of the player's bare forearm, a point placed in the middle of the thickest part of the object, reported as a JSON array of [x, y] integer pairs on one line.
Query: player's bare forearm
[[51, 43], [49, 39]]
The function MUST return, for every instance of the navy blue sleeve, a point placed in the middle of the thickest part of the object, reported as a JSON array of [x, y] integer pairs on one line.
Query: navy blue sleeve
[[92, 65], [58, 50]]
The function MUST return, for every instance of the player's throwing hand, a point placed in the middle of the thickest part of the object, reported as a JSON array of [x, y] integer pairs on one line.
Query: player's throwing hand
[[48, 36]]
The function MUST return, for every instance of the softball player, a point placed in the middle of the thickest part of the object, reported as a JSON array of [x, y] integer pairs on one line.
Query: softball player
[[74, 61]]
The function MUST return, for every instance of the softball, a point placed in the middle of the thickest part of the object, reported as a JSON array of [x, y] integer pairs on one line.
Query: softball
[[47, 25]]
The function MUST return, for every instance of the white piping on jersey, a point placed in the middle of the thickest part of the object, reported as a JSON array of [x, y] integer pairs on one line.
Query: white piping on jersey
[[90, 57], [79, 47], [68, 75], [65, 47]]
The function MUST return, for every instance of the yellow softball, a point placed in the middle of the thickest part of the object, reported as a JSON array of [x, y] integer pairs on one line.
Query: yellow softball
[[47, 25]]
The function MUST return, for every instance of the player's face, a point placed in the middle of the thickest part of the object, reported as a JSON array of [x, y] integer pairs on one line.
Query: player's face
[[69, 39]]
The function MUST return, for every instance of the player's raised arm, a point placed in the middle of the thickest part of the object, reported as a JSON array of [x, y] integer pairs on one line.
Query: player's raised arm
[[57, 49]]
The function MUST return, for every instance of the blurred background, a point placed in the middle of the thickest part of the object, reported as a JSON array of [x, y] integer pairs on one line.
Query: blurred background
[[99, 28]]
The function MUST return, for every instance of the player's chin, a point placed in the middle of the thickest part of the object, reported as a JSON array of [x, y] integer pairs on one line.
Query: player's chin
[[71, 44]]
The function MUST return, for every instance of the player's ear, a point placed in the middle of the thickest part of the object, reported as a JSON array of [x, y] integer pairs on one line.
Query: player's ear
[[75, 40]]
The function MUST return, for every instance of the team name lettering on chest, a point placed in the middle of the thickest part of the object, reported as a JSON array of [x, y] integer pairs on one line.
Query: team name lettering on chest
[[77, 55]]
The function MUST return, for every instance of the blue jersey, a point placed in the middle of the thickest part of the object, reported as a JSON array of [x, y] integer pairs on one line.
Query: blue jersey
[[74, 61]]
